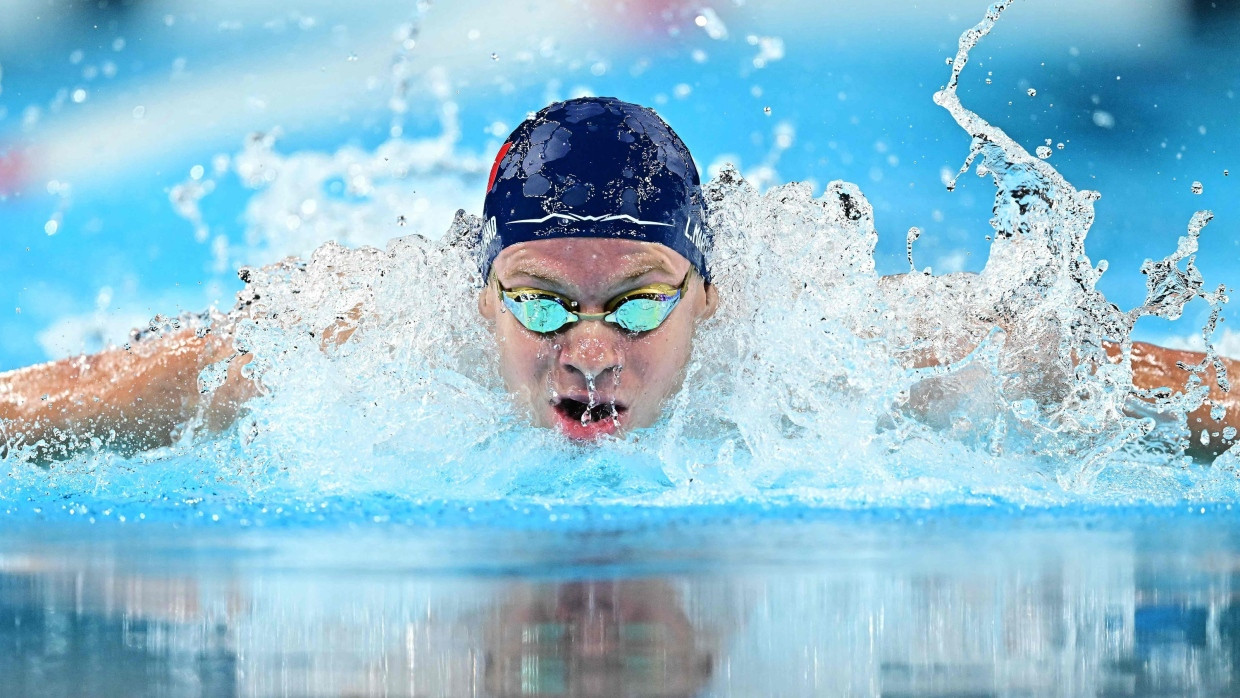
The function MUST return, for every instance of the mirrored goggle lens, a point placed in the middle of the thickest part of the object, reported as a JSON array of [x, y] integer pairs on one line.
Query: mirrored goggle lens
[[539, 314], [643, 314]]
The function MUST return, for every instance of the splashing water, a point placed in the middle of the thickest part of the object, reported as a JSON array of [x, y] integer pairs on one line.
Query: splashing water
[[817, 381]]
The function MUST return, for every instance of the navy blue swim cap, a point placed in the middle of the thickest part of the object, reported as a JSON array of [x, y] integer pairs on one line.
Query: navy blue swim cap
[[595, 167]]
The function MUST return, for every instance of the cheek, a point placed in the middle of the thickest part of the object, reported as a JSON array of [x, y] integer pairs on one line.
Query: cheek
[[523, 358], [659, 359]]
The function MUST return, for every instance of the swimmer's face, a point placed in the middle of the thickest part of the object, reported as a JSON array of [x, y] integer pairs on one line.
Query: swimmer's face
[[558, 375]]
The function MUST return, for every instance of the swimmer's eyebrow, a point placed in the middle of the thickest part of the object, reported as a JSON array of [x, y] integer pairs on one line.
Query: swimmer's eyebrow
[[631, 279], [553, 284], [641, 270]]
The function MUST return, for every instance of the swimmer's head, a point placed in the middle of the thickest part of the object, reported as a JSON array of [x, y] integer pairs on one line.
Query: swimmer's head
[[595, 167], [594, 253]]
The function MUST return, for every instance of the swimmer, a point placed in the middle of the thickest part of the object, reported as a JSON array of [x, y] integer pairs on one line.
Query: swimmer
[[595, 257]]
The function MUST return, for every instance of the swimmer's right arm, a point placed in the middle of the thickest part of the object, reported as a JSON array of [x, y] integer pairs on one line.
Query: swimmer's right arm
[[127, 400], [132, 399]]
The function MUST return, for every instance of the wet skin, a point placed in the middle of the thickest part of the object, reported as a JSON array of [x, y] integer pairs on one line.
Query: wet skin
[[591, 363]]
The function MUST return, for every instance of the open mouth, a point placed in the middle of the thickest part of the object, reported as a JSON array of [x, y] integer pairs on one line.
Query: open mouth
[[579, 411], [577, 420]]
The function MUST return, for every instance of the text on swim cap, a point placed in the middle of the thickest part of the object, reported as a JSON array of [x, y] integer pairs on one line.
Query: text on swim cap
[[489, 231], [693, 232]]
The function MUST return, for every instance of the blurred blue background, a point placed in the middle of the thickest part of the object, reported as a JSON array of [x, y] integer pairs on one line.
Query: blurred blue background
[[109, 108]]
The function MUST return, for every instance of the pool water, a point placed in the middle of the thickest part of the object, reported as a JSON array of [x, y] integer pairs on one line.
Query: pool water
[[748, 602]]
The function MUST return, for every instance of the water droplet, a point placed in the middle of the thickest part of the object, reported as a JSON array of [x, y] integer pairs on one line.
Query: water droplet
[[1044, 152], [767, 110], [1225, 173], [988, 81], [709, 20], [950, 60], [1059, 146], [400, 220], [352, 58], [913, 233], [1032, 92], [494, 56], [1198, 188], [79, 96]]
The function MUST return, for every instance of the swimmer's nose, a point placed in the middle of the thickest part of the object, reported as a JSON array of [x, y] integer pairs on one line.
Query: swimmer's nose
[[591, 349]]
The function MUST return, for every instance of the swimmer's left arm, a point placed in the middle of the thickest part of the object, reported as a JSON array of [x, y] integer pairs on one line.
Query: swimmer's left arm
[[1153, 366], [1158, 367]]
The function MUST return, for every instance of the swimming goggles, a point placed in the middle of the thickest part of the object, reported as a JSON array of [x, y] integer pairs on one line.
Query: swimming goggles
[[640, 310]]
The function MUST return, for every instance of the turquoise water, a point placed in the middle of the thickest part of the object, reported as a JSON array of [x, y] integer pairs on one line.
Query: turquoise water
[[750, 601]]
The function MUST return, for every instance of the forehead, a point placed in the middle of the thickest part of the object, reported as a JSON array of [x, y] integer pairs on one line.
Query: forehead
[[587, 261]]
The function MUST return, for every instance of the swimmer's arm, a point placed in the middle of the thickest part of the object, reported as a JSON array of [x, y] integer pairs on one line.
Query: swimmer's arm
[[131, 400], [126, 400], [1152, 367], [1156, 367]]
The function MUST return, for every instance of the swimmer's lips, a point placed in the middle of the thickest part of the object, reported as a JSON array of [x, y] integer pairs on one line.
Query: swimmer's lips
[[604, 418]]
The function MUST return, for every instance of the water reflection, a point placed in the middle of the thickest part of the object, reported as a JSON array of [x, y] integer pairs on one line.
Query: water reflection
[[595, 638], [980, 614]]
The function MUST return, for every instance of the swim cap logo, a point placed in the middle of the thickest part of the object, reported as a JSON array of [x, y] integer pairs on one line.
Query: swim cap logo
[[590, 219]]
